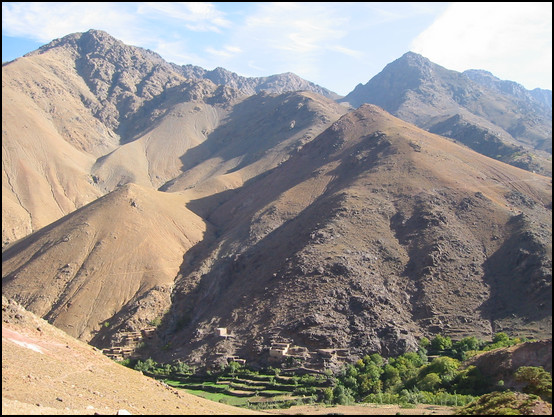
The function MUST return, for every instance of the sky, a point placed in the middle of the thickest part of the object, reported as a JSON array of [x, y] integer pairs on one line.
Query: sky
[[336, 45]]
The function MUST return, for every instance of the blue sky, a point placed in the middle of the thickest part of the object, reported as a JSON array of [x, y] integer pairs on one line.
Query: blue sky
[[336, 45]]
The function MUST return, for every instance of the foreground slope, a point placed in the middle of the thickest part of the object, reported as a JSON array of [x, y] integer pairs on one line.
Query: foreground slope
[[374, 234], [45, 371]]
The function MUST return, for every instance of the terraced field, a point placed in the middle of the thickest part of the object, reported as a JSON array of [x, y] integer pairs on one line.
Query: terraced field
[[256, 391]]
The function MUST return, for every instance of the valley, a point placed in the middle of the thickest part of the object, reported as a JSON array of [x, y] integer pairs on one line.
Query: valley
[[168, 213]]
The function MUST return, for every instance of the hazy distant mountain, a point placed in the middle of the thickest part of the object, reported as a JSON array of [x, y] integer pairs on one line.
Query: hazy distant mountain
[[533, 99], [497, 118], [136, 191]]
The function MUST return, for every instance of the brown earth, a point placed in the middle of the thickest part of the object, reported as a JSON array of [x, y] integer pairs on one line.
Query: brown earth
[[274, 216], [45, 371]]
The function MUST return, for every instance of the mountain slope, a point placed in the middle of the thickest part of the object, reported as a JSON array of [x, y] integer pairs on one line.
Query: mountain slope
[[374, 234], [157, 197], [109, 264], [500, 119]]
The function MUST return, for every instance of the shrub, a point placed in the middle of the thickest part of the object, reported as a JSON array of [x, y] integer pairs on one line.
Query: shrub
[[539, 382], [443, 366], [429, 382], [424, 342], [495, 403], [441, 343], [149, 365]]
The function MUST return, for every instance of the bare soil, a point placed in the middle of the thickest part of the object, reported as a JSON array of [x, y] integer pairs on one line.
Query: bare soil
[[45, 371], [366, 409]]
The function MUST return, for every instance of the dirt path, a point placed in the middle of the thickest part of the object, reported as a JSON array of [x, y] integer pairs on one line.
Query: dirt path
[[366, 409]]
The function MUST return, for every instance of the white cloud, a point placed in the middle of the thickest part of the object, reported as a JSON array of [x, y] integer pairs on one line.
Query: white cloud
[[281, 37], [134, 23], [196, 16], [511, 40], [44, 21], [226, 52]]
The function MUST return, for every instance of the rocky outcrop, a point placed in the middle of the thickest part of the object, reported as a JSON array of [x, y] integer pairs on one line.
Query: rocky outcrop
[[501, 364]]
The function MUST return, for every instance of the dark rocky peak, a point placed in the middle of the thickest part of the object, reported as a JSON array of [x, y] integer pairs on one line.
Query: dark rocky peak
[[279, 83], [100, 56], [289, 81], [100, 45], [220, 75], [388, 88], [193, 71], [415, 60]]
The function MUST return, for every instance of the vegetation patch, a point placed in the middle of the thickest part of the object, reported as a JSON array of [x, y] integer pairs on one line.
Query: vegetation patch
[[431, 375]]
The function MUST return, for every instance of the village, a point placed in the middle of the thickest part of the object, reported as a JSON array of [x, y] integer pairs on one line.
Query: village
[[281, 351]]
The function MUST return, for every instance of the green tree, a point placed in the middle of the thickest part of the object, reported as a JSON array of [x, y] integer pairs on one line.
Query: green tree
[[441, 343], [467, 343], [369, 383], [406, 368], [424, 342], [539, 382], [342, 395], [390, 377], [443, 366], [376, 359], [148, 365], [501, 338], [414, 358], [232, 368], [181, 368], [430, 382], [470, 381], [328, 396]]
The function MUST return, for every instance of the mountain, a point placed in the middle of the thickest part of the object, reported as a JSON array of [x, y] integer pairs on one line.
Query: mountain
[[500, 119], [87, 113], [536, 98], [374, 233], [140, 194], [96, 267]]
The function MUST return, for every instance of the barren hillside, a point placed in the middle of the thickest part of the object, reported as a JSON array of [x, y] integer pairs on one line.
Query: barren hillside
[[372, 235], [45, 371], [87, 113], [109, 263]]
